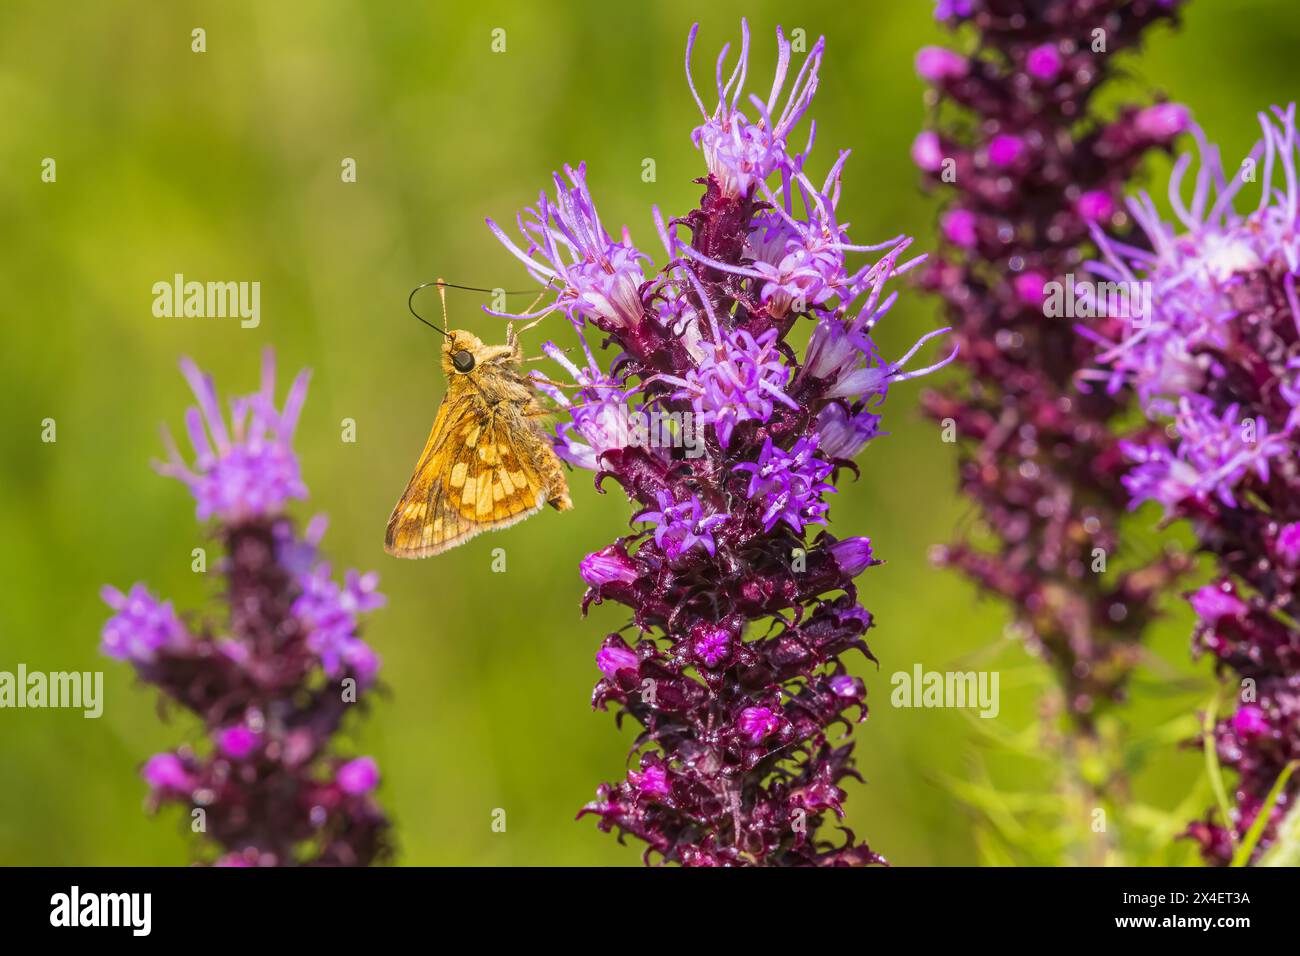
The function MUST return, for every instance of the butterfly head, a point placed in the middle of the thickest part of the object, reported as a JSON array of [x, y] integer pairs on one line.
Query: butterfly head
[[461, 352], [464, 352]]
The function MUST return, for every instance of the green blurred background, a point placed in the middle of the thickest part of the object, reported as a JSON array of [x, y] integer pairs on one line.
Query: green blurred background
[[226, 165]]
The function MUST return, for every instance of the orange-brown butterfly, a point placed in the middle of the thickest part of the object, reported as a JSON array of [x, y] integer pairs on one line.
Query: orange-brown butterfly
[[488, 462]]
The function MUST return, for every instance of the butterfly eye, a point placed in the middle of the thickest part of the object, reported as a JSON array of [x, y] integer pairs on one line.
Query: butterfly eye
[[463, 361]]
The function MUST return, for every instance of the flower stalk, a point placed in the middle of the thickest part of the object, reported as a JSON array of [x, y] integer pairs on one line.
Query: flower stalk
[[733, 665], [274, 681], [1216, 364], [1030, 167]]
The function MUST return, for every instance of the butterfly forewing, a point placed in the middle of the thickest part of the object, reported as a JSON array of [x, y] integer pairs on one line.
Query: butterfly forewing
[[424, 523]]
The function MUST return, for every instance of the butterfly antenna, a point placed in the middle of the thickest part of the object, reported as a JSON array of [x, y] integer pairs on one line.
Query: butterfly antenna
[[443, 285], [442, 294], [410, 304]]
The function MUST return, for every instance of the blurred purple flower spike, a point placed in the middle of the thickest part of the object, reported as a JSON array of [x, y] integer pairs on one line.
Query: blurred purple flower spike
[[273, 683]]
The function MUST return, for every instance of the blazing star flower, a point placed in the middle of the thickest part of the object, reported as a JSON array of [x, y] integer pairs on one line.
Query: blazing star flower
[[358, 777], [791, 484], [1287, 544], [800, 263], [568, 246], [247, 468], [599, 411], [616, 657], [328, 613], [1214, 360], [167, 772], [841, 434], [927, 152], [737, 152], [1212, 603], [1035, 168], [142, 626], [936, 64], [606, 567], [652, 781], [680, 526], [1044, 62], [270, 683], [1212, 457], [853, 555], [736, 763], [237, 742], [738, 379]]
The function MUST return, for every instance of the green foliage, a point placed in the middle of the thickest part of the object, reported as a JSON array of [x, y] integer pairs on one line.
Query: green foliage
[[1286, 830], [1285, 850]]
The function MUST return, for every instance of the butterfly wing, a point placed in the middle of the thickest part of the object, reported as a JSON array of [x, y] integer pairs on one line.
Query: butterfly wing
[[477, 473], [421, 523]]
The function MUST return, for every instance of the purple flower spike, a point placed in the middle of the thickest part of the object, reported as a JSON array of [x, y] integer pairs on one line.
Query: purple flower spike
[[607, 566], [737, 673], [790, 484], [1250, 723], [757, 723], [1214, 357], [927, 152], [273, 682], [1005, 149], [1035, 168], [599, 411], [842, 685], [652, 781], [959, 227], [1095, 205], [1212, 603], [328, 614], [841, 435], [1044, 62], [615, 656], [1164, 122], [1288, 544], [712, 644], [953, 9], [680, 526]]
